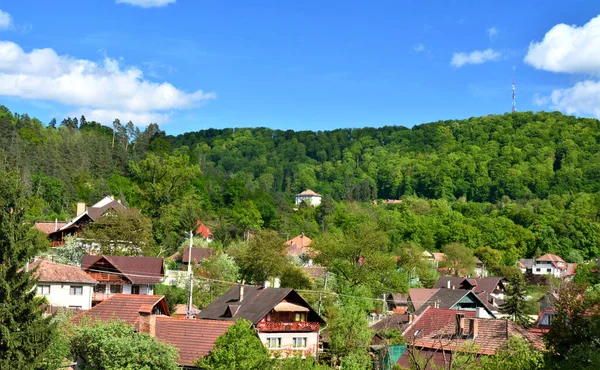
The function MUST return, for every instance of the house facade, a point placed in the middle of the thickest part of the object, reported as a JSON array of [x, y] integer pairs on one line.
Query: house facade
[[548, 264], [312, 198], [285, 323], [63, 285], [122, 275], [298, 249]]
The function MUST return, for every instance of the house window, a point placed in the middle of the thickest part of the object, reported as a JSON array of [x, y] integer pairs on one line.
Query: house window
[[273, 342], [538, 270], [300, 342], [114, 289], [300, 317], [43, 289], [100, 288], [135, 289], [548, 270], [76, 290]]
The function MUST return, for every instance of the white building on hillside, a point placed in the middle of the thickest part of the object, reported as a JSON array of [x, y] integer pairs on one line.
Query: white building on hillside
[[314, 199]]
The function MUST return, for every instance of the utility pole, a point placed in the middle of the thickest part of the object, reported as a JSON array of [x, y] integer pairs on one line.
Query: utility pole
[[321, 294], [189, 307]]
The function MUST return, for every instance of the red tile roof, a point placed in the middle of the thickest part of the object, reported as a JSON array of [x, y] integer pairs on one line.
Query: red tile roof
[[194, 338], [493, 333], [298, 245], [556, 260], [126, 307], [49, 271], [432, 320], [203, 230], [198, 254], [48, 227], [138, 270], [315, 272], [308, 193], [440, 257]]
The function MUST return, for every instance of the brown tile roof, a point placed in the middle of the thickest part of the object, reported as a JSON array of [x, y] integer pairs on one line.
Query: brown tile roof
[[255, 305], [432, 320], [126, 307], [550, 258], [315, 272], [418, 296], [138, 270], [48, 271], [194, 338], [298, 245], [198, 254], [48, 227], [493, 333], [440, 257], [181, 309], [309, 193], [396, 322]]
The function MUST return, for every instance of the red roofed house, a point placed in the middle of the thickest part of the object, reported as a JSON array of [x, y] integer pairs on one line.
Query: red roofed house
[[48, 227], [312, 198], [123, 274], [149, 314], [437, 333], [285, 322], [63, 285], [204, 231], [298, 248], [551, 264]]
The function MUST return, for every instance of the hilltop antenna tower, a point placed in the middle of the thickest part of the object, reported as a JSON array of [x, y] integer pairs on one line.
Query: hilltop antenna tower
[[514, 109]]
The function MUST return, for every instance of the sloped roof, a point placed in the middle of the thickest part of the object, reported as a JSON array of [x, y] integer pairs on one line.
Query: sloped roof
[[257, 302], [198, 254], [418, 296], [526, 263], [194, 338], [308, 193], [203, 230], [125, 307], [181, 309], [315, 272], [438, 256], [443, 282], [493, 333], [448, 298], [487, 284], [396, 322], [48, 271], [397, 298], [94, 212], [138, 270], [554, 259], [432, 320], [48, 227], [298, 245]]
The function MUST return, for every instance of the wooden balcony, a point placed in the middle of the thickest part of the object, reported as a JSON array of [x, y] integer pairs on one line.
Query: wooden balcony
[[299, 326]]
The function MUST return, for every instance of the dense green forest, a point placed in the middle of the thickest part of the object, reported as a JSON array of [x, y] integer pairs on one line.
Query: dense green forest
[[521, 183]]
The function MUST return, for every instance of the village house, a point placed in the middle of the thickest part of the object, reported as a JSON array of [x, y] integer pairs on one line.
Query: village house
[[204, 232], [548, 264], [298, 249], [437, 334], [198, 255], [312, 198], [454, 299], [84, 215], [122, 274], [285, 323], [489, 289], [149, 314], [63, 285]]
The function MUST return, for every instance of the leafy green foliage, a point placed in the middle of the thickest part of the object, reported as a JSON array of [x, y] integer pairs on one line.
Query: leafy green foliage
[[262, 258], [349, 336], [115, 345], [173, 294], [459, 259], [25, 333], [516, 354], [238, 348], [71, 253]]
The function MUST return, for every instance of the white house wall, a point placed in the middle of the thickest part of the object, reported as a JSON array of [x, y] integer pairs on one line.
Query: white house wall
[[287, 343], [60, 295]]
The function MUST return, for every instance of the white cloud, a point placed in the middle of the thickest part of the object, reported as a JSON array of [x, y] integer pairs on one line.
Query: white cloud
[[474, 57], [6, 21], [147, 3], [568, 49], [581, 99], [492, 33], [106, 87], [418, 48]]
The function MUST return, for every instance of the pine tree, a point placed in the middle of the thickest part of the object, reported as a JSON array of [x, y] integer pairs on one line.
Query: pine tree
[[24, 332], [514, 300]]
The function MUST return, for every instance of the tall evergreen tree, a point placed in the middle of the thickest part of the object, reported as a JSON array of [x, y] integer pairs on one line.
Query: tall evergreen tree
[[514, 300], [24, 332]]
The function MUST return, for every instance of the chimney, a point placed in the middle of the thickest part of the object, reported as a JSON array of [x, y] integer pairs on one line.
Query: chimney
[[266, 284], [241, 293], [119, 201], [276, 283], [147, 323], [473, 328], [80, 208], [453, 286], [460, 324], [411, 318], [55, 224], [448, 284]]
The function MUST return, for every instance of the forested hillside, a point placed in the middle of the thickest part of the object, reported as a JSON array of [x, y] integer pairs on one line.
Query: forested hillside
[[520, 183]]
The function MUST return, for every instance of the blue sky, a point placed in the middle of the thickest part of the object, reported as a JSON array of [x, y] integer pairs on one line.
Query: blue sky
[[196, 64]]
